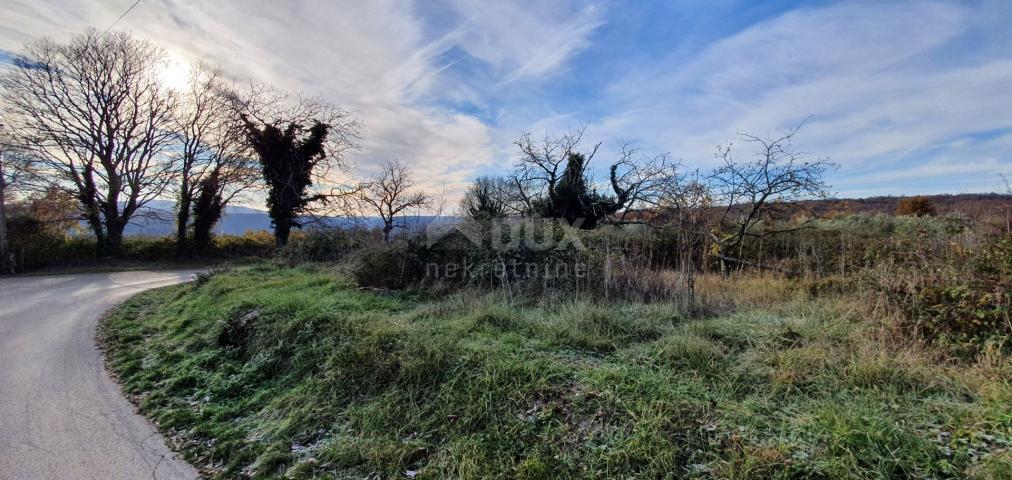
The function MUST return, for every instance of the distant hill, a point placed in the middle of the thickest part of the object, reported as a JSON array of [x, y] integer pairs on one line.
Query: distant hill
[[157, 219], [974, 205], [991, 208], [234, 223]]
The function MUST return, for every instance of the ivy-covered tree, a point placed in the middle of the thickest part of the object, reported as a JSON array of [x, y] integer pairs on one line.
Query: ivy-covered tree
[[287, 158], [207, 210], [574, 199], [553, 180], [299, 143], [211, 151]]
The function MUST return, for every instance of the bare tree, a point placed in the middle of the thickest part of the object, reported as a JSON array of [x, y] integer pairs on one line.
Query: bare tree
[[686, 203], [390, 193], [757, 192], [493, 197], [215, 163], [641, 181], [98, 118], [438, 202], [554, 179]]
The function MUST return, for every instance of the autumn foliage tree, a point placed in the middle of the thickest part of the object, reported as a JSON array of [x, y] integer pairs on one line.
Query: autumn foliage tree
[[918, 206]]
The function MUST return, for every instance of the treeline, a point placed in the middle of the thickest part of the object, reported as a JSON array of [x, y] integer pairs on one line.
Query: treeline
[[93, 121], [994, 208]]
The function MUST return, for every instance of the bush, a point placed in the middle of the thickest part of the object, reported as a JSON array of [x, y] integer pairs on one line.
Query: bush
[[916, 207], [963, 300], [35, 246], [529, 257], [847, 245], [32, 242], [252, 243], [329, 245], [525, 256], [392, 265], [148, 248]]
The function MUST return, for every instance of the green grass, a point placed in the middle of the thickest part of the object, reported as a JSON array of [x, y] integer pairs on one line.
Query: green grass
[[338, 383]]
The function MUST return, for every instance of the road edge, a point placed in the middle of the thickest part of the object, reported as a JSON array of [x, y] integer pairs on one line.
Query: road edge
[[171, 438]]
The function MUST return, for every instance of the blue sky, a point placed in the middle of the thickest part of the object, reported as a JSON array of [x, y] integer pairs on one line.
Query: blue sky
[[907, 97]]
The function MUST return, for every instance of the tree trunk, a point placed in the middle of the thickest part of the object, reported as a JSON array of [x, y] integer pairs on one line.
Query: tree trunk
[[91, 210], [114, 235], [204, 224], [94, 219], [201, 237], [182, 219], [282, 229], [4, 245], [386, 233], [688, 267], [113, 222]]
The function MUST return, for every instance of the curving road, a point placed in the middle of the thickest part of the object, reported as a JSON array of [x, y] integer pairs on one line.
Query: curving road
[[61, 416]]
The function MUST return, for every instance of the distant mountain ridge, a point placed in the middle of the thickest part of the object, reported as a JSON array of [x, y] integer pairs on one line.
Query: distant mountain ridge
[[157, 219]]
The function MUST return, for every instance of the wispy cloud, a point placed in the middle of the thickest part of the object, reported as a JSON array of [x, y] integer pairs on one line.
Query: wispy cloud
[[524, 40], [880, 80]]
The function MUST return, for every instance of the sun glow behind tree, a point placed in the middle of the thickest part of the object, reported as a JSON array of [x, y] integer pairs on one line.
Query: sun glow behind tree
[[175, 72]]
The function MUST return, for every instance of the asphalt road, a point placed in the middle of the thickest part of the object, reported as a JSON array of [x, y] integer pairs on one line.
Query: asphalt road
[[61, 416]]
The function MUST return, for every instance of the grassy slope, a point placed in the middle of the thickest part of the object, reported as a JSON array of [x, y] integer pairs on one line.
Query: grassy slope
[[342, 383]]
